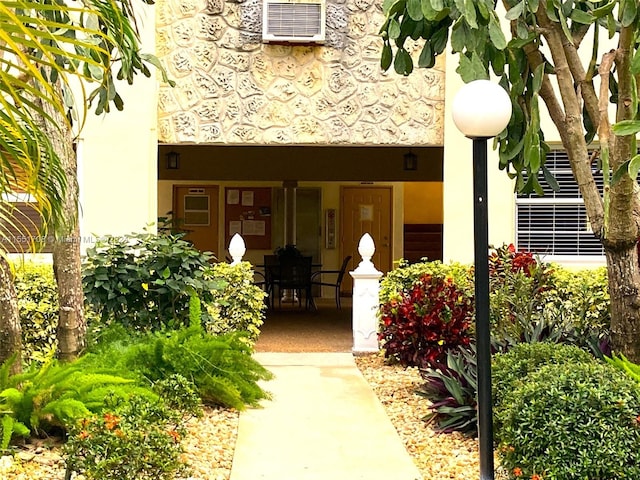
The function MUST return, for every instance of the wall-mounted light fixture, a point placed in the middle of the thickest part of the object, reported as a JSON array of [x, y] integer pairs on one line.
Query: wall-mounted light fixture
[[173, 160], [410, 161]]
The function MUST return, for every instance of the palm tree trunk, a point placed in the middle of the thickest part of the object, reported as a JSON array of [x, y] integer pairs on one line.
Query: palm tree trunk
[[10, 328], [67, 265], [67, 269], [66, 249]]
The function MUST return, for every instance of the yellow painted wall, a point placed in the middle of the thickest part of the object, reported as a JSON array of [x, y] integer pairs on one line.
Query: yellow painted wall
[[117, 156], [458, 187], [423, 202]]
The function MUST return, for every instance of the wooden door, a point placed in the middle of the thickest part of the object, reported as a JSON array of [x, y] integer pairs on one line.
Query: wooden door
[[195, 208], [366, 210]]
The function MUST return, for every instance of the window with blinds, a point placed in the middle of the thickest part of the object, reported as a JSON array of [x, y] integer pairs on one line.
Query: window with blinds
[[556, 224]]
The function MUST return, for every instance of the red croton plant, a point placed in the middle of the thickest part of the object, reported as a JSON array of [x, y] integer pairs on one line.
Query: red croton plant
[[420, 326], [506, 256]]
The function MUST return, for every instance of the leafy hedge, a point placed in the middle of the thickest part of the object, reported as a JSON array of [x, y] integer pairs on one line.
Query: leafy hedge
[[145, 281], [38, 308], [572, 421], [510, 370], [239, 305]]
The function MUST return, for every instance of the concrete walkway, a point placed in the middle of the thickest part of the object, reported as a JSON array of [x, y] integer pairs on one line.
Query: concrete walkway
[[324, 423]]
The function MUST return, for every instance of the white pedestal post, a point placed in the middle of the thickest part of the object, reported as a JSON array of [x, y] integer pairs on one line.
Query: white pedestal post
[[366, 288]]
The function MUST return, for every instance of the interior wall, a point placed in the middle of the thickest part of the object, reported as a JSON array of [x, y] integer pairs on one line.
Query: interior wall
[[330, 198], [423, 203]]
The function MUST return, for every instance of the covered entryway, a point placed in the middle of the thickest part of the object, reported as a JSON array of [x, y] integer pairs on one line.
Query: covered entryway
[[324, 181]]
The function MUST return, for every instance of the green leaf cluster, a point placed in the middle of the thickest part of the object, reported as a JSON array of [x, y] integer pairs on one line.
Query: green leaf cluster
[[509, 370], [145, 281], [221, 368], [56, 395], [239, 305], [572, 421], [580, 296], [624, 364], [38, 309]]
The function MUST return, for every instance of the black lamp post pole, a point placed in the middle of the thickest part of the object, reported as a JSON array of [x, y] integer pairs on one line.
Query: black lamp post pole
[[483, 335]]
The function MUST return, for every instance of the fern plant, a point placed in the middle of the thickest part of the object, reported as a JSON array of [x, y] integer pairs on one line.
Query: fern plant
[[220, 367], [56, 395]]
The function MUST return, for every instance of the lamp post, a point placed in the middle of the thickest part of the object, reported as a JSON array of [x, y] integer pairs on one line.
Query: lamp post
[[481, 110]]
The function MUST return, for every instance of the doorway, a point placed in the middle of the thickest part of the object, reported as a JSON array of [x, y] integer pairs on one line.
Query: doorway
[[366, 210], [308, 223], [195, 209]]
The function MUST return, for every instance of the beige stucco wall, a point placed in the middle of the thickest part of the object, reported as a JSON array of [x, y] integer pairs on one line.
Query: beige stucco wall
[[458, 187], [117, 156], [233, 89]]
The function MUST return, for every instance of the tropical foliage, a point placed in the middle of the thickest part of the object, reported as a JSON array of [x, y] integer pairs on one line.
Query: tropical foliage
[[145, 281], [551, 48], [424, 323]]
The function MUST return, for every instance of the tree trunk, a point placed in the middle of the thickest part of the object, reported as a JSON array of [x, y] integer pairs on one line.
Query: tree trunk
[[66, 249], [10, 328], [624, 284], [67, 265], [68, 271]]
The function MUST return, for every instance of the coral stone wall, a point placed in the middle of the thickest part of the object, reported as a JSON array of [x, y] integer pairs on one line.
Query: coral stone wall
[[233, 89]]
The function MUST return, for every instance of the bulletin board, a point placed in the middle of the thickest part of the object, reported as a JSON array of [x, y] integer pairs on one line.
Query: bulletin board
[[247, 211]]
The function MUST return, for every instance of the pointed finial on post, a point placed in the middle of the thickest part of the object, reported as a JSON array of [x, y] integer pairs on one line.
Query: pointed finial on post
[[366, 249], [366, 299], [237, 248]]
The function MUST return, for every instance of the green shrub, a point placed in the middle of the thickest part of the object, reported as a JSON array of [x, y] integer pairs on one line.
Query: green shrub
[[132, 439], [509, 370], [145, 281], [38, 308], [180, 394], [56, 395], [221, 368], [402, 278], [240, 305], [572, 421], [581, 296]]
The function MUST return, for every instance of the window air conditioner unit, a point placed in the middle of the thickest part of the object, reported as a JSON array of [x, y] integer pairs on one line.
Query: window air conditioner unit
[[297, 21]]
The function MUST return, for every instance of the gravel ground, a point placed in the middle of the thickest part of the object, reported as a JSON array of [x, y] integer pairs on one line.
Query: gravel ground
[[210, 445], [208, 448], [437, 456]]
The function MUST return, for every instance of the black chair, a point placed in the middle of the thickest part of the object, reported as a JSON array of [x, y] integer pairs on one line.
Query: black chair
[[271, 275], [316, 279], [293, 274]]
